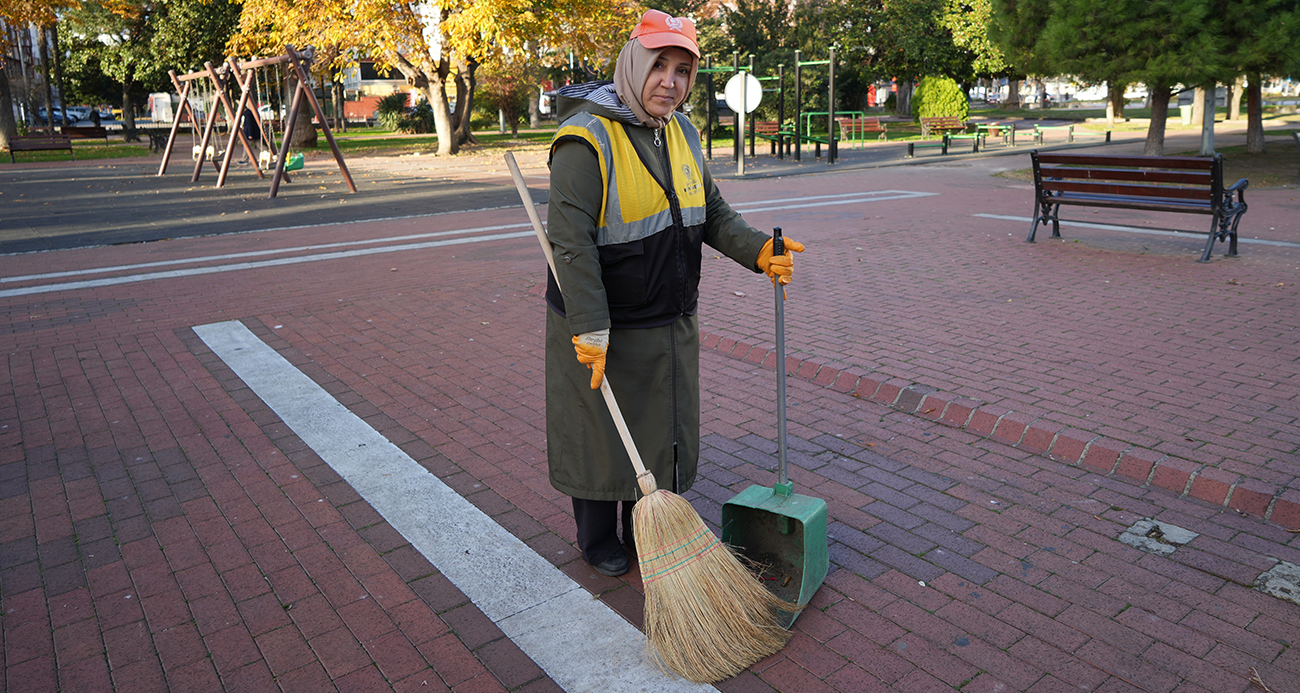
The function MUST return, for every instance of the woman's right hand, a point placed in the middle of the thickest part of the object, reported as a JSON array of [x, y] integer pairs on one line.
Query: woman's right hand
[[780, 265], [591, 348]]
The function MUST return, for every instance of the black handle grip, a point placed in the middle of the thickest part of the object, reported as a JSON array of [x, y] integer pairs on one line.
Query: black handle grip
[[778, 244]]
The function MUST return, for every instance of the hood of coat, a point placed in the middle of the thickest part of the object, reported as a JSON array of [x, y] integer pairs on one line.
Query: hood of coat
[[598, 98]]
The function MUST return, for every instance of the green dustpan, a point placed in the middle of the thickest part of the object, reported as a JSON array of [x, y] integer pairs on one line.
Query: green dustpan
[[783, 531]]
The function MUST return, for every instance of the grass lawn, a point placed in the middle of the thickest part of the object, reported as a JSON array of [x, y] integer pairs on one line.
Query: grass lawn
[[1277, 167], [84, 151]]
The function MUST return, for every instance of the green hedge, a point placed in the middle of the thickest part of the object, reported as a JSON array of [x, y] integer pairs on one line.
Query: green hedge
[[938, 97]]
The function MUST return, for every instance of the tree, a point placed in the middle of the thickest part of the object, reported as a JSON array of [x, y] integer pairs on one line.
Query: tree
[[1160, 43], [427, 42], [906, 39], [123, 31], [20, 14], [1262, 36], [506, 87]]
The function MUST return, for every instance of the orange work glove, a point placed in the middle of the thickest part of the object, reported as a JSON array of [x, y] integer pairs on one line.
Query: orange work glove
[[591, 348], [782, 265]]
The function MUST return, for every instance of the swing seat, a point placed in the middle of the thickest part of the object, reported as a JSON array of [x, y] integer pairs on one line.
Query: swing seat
[[197, 152], [295, 162]]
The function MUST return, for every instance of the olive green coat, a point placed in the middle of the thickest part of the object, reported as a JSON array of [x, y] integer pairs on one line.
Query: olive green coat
[[654, 372]]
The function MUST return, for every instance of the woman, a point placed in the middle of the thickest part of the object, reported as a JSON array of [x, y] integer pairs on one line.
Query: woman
[[631, 203]]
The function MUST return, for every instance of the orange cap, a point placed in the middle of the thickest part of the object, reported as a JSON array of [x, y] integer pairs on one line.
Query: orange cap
[[661, 30]]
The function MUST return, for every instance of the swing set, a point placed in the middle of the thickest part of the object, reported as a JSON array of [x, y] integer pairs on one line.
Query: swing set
[[202, 92]]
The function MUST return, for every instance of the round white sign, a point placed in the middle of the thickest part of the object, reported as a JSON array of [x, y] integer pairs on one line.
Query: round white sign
[[752, 88]]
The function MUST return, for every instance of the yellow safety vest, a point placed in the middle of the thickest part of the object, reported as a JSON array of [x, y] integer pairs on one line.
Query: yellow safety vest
[[635, 205]]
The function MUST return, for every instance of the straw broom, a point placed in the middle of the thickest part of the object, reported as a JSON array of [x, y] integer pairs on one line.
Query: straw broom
[[707, 617]]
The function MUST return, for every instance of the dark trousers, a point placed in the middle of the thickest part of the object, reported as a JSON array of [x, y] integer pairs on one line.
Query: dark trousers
[[598, 528]]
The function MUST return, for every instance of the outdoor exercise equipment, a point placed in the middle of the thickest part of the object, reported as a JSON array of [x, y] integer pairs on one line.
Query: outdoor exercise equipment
[[245, 76], [799, 137], [708, 71]]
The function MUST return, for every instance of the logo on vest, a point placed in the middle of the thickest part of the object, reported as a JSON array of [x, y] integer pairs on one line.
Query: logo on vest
[[692, 186]]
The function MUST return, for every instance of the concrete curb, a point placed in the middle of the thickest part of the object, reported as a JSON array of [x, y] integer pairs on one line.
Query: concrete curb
[[1030, 432]]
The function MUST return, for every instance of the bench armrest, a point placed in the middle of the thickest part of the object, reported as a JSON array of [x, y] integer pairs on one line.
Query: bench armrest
[[1236, 187]]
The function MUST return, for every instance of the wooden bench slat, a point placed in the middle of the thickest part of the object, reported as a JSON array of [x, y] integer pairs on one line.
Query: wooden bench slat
[[1126, 190], [1191, 178], [1178, 162], [1153, 205]]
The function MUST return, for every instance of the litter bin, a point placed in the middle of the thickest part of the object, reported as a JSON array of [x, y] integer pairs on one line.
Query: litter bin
[[1186, 113]]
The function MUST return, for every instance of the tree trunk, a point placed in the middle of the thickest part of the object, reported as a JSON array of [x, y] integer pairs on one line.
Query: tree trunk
[[1254, 116], [435, 91], [1234, 97], [535, 109], [1207, 123], [304, 130], [8, 128], [340, 107], [1114, 101], [45, 77], [1013, 94], [57, 56], [466, 84], [1198, 106], [1155, 144], [903, 104]]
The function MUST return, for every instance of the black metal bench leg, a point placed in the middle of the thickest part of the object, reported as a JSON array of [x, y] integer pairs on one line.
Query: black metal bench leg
[[1047, 212], [1216, 230]]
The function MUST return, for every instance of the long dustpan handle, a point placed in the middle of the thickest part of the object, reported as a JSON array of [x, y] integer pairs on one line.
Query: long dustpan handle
[[778, 248], [644, 479]]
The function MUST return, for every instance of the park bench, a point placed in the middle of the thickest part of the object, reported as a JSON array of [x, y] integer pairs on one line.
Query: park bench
[[1295, 135], [771, 130], [817, 140], [1182, 184], [942, 144], [852, 129], [34, 143], [941, 125], [83, 132], [1040, 132], [1007, 133]]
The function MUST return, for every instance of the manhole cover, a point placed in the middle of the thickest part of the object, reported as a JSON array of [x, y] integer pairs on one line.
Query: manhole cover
[[1154, 536], [1281, 581]]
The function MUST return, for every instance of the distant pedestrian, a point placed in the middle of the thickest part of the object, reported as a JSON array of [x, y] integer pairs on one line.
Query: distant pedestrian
[[94, 117], [252, 131]]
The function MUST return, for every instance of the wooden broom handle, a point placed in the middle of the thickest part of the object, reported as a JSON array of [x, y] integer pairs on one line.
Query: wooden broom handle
[[644, 479]]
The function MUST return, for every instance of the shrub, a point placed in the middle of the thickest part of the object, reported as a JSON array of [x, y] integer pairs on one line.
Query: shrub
[[939, 97], [392, 113], [391, 109]]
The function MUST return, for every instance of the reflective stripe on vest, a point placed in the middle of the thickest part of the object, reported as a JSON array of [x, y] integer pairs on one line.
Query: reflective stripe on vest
[[634, 205]]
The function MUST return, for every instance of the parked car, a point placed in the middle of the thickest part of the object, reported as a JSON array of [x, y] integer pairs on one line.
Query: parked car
[[41, 118]]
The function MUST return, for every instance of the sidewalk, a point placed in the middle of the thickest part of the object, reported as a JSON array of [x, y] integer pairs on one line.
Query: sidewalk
[[163, 528]]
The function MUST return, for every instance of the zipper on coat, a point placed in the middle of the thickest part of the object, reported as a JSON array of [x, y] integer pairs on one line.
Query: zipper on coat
[[672, 338], [664, 163]]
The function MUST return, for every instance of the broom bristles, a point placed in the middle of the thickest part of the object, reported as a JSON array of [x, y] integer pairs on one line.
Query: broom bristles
[[707, 617]]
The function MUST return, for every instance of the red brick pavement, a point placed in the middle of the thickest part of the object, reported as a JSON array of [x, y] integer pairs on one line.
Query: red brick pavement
[[162, 529]]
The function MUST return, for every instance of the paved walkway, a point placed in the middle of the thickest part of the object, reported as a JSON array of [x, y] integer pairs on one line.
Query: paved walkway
[[168, 525]]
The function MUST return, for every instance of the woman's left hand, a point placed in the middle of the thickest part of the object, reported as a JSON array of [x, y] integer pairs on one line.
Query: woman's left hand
[[780, 265]]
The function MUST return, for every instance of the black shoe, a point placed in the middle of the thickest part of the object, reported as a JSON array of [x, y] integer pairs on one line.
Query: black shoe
[[613, 566]]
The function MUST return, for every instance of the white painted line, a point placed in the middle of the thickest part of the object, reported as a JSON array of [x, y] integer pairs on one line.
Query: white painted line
[[215, 269], [1135, 229], [255, 253], [581, 643], [752, 207]]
